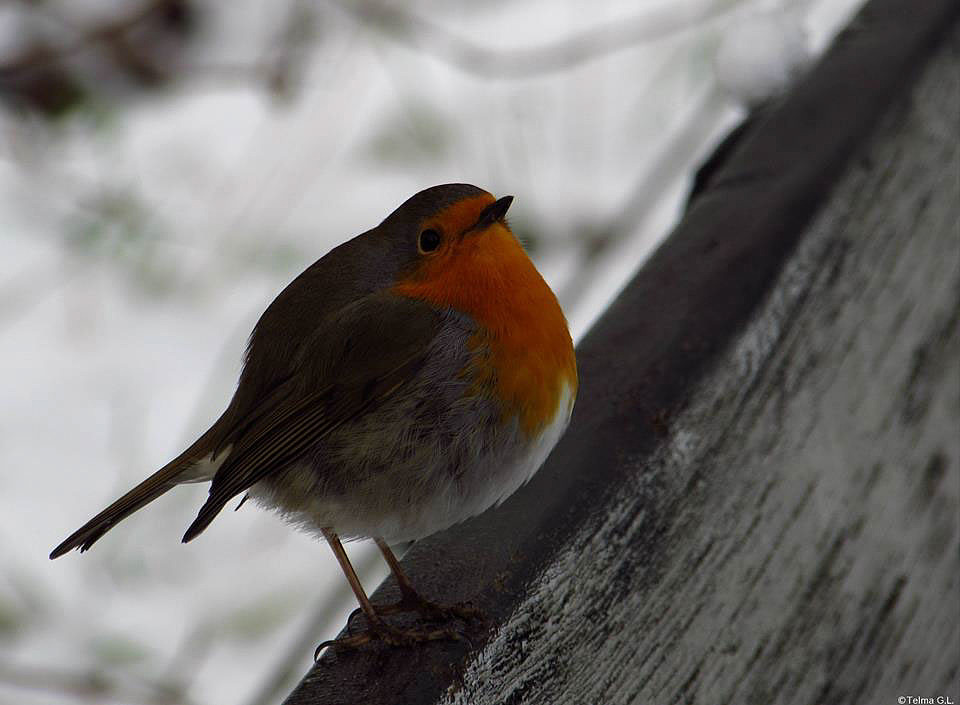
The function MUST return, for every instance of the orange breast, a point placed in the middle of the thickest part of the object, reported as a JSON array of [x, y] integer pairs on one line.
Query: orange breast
[[529, 354]]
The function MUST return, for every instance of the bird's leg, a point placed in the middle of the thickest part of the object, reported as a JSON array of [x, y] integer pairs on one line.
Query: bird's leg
[[378, 630], [410, 599], [351, 574]]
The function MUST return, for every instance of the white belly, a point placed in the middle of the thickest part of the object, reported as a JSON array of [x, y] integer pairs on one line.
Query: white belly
[[493, 479]]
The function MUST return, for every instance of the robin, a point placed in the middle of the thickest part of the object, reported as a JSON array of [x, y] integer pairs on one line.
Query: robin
[[411, 378]]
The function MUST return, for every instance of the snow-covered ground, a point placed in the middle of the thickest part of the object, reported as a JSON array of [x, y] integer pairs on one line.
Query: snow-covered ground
[[138, 249]]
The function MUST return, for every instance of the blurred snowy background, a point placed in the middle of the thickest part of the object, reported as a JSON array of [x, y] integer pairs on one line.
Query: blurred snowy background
[[166, 167]]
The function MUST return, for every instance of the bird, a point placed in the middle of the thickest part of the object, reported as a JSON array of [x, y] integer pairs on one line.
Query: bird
[[411, 378]]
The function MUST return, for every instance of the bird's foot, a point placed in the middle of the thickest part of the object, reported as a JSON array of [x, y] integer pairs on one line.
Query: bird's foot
[[431, 611], [380, 631], [412, 602]]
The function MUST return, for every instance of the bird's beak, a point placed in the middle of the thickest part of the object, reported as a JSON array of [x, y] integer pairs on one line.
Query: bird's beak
[[494, 212], [488, 216]]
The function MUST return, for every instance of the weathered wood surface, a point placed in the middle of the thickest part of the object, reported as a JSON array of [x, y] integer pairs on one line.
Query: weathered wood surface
[[757, 501]]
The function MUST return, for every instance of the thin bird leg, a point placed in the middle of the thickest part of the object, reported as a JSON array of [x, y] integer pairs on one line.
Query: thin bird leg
[[410, 599], [407, 592], [378, 630], [351, 574]]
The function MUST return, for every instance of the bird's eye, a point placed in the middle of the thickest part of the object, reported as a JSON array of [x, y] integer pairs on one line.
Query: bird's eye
[[429, 240]]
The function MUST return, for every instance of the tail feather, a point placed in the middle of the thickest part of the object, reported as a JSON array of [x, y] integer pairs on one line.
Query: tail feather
[[164, 479]]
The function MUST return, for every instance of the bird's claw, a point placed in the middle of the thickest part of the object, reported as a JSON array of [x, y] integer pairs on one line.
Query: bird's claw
[[431, 611], [440, 613], [391, 636]]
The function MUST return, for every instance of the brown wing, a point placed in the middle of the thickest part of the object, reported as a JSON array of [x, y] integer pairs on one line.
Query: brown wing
[[355, 361]]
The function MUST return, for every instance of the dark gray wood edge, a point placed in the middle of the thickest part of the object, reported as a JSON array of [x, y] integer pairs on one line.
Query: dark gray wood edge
[[659, 339]]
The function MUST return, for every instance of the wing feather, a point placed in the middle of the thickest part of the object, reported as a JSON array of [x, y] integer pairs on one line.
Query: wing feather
[[387, 343]]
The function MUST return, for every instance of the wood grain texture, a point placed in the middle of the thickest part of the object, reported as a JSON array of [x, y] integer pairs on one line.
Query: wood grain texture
[[800, 541], [757, 501]]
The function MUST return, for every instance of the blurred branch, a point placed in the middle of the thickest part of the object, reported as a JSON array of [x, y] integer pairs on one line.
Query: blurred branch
[[38, 55], [189, 657], [39, 76], [278, 71], [658, 175], [293, 43], [90, 685], [396, 22]]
